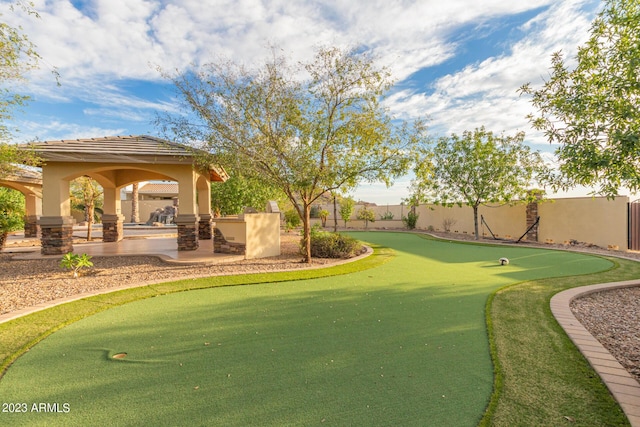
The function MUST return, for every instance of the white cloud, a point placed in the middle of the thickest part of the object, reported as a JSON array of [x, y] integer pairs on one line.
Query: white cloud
[[120, 38], [486, 93], [111, 42], [57, 130]]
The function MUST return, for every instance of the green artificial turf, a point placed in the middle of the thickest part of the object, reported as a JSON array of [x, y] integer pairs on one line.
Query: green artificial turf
[[404, 343], [540, 377]]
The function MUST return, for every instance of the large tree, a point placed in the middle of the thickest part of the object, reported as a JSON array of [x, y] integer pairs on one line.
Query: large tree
[[17, 57], [307, 130], [592, 110], [476, 168]]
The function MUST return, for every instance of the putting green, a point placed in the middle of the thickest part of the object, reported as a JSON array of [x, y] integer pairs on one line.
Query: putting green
[[402, 344]]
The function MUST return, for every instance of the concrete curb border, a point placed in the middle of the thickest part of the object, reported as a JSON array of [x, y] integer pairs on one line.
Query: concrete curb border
[[624, 388]]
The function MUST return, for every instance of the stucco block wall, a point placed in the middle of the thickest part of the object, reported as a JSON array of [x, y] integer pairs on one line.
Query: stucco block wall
[[597, 221], [259, 232], [263, 235], [504, 221], [145, 207]]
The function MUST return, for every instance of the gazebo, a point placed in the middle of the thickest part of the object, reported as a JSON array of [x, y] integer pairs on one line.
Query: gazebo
[[29, 183], [115, 162]]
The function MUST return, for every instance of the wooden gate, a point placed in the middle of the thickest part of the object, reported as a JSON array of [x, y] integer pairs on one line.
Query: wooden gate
[[633, 221]]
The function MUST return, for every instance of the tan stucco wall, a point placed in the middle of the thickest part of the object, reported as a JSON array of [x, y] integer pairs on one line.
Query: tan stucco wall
[[398, 212], [232, 228], [263, 235], [112, 177], [260, 232], [598, 221], [504, 221], [145, 207]]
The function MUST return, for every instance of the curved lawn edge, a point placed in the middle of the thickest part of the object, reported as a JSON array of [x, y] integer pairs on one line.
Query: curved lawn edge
[[622, 385], [18, 335], [571, 368]]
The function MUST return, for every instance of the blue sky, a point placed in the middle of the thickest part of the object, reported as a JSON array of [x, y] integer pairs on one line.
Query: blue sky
[[457, 62]]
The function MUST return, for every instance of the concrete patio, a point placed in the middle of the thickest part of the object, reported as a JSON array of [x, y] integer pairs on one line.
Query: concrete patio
[[137, 241]]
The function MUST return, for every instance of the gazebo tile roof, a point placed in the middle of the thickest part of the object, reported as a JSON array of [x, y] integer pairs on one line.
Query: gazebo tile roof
[[121, 149], [133, 149]]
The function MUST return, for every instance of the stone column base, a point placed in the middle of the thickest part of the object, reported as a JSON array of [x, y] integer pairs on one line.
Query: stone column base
[[205, 227], [31, 227], [222, 246], [112, 228], [56, 234], [188, 226]]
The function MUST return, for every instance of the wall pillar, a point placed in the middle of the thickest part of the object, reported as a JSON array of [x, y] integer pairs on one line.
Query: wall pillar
[[205, 227], [112, 228], [56, 234], [188, 230], [532, 217], [31, 227]]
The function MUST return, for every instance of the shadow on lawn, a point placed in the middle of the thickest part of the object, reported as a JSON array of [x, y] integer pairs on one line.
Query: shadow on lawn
[[344, 351], [402, 344]]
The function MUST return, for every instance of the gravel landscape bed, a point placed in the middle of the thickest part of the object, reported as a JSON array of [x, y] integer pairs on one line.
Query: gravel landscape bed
[[25, 283], [611, 316]]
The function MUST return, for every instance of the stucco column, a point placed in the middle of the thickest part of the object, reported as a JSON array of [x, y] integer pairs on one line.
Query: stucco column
[[33, 208], [112, 219], [56, 223], [188, 225], [204, 209], [187, 219]]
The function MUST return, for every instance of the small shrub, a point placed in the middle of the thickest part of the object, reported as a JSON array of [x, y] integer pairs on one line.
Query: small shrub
[[291, 219], [387, 216], [410, 220], [75, 262], [324, 214], [332, 245], [447, 223], [346, 209], [366, 215]]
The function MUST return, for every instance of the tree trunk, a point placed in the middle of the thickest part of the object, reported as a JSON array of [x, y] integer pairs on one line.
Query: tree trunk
[[3, 238], [475, 221], [89, 213], [306, 228], [335, 214], [135, 212]]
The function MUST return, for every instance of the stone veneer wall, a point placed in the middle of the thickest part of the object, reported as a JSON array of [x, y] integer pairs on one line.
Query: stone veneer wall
[[188, 237], [532, 216], [57, 239], [222, 246], [31, 227], [112, 231], [205, 228]]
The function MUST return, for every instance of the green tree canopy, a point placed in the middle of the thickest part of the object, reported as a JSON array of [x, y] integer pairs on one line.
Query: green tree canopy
[[17, 57], [476, 168], [237, 192], [306, 136], [11, 212], [593, 110]]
